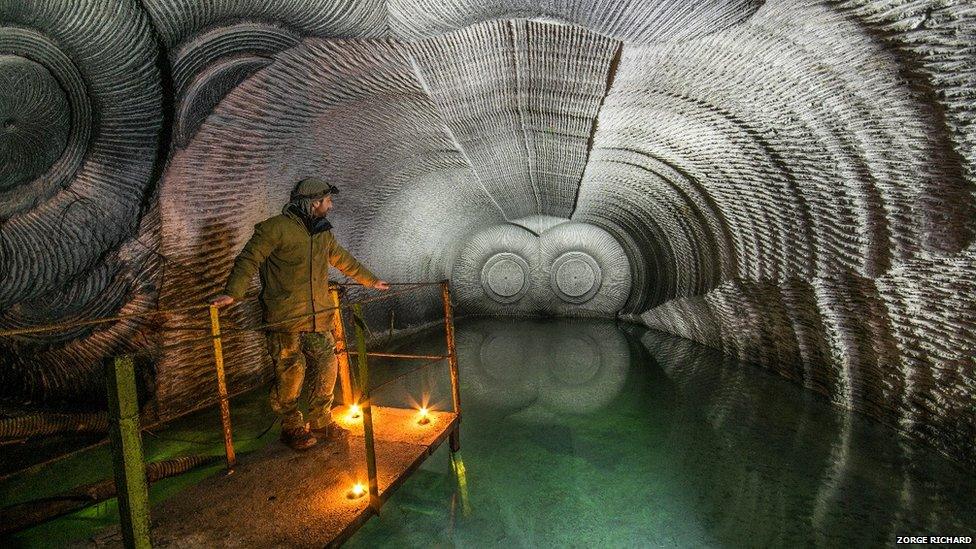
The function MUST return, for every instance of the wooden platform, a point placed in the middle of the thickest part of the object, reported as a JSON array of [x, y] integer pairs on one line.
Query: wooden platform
[[278, 497]]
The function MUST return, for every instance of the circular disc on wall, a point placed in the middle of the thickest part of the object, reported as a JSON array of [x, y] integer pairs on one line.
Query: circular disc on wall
[[505, 277], [575, 277]]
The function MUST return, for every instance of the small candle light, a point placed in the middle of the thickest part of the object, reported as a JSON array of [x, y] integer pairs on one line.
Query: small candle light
[[356, 491], [424, 416], [355, 412]]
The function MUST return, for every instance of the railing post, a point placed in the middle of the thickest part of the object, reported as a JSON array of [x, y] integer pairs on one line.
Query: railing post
[[342, 350], [461, 477], [222, 389], [452, 360], [374, 490], [127, 457]]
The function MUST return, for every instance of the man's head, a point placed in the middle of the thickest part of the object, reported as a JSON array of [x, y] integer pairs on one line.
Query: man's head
[[322, 206], [313, 196]]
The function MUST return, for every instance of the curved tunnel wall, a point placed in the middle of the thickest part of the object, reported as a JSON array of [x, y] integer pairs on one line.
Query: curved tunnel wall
[[791, 182]]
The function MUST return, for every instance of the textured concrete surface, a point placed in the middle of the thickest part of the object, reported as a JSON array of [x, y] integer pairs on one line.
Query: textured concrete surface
[[790, 182]]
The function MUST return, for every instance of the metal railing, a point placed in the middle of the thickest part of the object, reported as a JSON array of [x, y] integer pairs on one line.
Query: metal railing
[[124, 418], [364, 399]]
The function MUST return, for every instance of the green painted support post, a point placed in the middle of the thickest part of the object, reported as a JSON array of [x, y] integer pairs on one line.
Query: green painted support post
[[455, 436], [127, 458], [374, 488]]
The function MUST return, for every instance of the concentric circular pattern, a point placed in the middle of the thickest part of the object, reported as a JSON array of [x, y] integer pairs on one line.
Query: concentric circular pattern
[[210, 64], [34, 121], [568, 268], [80, 128], [505, 277], [213, 47], [35, 47], [104, 58], [583, 271], [576, 277], [791, 182], [493, 271], [208, 88]]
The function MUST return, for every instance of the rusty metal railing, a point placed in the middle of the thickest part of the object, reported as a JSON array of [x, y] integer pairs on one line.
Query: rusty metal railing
[[344, 355], [364, 400]]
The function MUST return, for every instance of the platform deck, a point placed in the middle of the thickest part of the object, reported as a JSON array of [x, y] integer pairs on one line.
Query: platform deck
[[277, 497]]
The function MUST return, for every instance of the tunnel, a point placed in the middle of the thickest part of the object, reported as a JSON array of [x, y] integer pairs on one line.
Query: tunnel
[[786, 183]]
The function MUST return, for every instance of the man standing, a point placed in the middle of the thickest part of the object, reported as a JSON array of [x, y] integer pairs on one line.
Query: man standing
[[292, 252]]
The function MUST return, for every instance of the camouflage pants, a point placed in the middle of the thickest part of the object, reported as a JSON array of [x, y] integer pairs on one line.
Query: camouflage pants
[[290, 353]]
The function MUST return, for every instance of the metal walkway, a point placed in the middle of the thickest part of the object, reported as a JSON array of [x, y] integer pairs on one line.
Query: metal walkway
[[281, 498]]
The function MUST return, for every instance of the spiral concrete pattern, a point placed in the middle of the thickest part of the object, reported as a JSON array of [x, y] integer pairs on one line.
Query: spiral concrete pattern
[[31, 54], [493, 271], [789, 182], [81, 123], [213, 46], [583, 271], [34, 121]]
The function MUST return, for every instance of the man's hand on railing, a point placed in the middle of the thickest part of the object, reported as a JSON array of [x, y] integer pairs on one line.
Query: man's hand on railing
[[221, 300], [381, 285]]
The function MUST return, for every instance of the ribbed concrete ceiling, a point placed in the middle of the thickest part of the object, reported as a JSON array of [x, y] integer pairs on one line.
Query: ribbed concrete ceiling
[[789, 181]]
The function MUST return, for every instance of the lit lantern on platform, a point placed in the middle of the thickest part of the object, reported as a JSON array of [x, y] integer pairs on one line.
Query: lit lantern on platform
[[357, 491], [355, 412], [424, 416]]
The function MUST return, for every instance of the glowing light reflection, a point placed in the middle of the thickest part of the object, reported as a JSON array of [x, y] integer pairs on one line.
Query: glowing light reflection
[[355, 412], [357, 491]]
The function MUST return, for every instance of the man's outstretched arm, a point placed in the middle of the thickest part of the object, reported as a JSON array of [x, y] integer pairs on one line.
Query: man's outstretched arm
[[345, 262]]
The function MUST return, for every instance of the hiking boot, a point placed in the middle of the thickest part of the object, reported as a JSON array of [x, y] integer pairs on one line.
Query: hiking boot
[[332, 431], [298, 438]]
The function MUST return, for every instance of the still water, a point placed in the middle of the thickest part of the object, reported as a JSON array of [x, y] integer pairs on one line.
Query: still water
[[593, 434], [590, 433]]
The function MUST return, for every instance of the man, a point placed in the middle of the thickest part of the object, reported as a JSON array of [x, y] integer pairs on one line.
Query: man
[[293, 251]]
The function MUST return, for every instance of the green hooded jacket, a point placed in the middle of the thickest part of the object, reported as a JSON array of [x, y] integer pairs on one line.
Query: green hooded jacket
[[294, 267]]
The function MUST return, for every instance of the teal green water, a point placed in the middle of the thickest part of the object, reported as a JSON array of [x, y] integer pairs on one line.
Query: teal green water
[[588, 433], [582, 434]]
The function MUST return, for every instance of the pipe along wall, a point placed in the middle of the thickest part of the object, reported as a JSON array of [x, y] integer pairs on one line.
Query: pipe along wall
[[790, 182]]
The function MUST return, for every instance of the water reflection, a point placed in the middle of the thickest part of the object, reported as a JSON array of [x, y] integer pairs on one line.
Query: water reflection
[[776, 466], [543, 368], [585, 433]]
